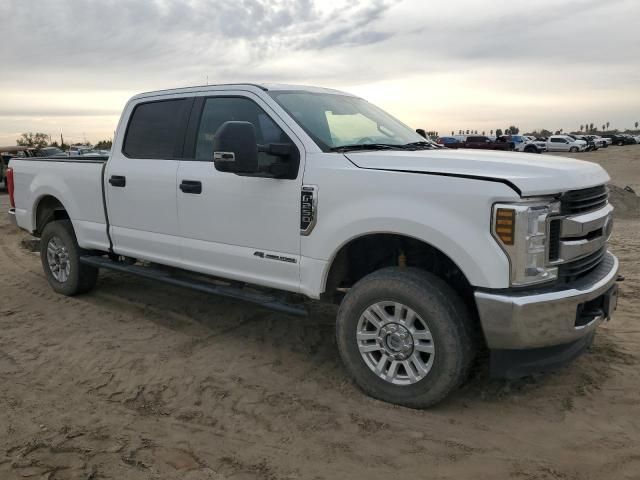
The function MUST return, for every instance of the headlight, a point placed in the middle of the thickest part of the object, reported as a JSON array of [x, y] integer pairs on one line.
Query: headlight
[[521, 229]]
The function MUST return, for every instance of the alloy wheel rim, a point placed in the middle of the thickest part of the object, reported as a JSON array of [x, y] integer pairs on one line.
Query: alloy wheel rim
[[58, 259], [395, 343]]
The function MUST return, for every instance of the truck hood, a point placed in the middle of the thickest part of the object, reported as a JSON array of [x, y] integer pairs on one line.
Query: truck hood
[[530, 173]]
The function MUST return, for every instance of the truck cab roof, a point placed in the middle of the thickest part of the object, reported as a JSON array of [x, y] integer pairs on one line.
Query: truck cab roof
[[257, 87]]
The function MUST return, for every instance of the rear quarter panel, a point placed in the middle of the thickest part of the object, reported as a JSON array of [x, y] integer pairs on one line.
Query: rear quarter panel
[[76, 184]]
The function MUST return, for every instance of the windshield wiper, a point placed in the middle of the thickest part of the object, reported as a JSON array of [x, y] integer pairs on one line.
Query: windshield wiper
[[367, 146], [417, 145]]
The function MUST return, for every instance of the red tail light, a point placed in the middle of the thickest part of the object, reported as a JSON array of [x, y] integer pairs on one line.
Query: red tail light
[[10, 187]]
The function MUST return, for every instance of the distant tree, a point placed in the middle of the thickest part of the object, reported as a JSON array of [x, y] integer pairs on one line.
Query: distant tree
[[498, 132], [581, 127], [636, 125], [514, 130], [483, 133], [591, 127], [544, 133], [607, 125], [507, 131], [603, 127], [452, 132], [467, 132], [104, 145], [491, 132], [36, 140]]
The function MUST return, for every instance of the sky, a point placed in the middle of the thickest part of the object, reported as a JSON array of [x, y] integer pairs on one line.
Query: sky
[[69, 66]]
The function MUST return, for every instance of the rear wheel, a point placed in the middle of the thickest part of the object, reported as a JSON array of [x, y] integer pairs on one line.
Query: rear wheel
[[405, 336], [573, 149], [60, 256]]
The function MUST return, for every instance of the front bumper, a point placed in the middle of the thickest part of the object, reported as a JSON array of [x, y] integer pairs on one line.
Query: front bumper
[[518, 320], [12, 217]]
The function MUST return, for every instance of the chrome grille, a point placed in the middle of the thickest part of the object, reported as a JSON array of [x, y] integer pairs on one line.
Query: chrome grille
[[578, 237], [581, 201]]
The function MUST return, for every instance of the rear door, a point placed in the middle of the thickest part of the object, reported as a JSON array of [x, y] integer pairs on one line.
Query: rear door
[[140, 181], [233, 226]]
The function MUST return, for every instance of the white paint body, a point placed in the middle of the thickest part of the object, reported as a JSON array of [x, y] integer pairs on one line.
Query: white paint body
[[442, 197]]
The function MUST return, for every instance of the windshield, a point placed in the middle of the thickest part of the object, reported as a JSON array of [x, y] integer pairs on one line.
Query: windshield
[[335, 121]]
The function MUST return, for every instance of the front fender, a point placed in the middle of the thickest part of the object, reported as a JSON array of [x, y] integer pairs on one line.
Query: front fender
[[449, 213]]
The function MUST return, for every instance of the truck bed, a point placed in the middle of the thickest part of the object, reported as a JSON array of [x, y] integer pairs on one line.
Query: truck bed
[[77, 180]]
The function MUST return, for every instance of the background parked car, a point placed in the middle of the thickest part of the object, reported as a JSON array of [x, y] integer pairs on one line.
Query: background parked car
[[50, 152], [7, 153], [590, 144], [449, 142], [600, 142], [522, 143], [619, 139], [485, 143], [564, 143]]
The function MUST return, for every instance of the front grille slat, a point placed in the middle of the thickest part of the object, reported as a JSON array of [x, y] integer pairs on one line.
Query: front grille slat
[[554, 239], [585, 200], [578, 268]]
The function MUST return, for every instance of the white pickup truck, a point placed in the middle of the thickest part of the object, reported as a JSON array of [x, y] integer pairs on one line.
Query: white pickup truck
[[279, 194]]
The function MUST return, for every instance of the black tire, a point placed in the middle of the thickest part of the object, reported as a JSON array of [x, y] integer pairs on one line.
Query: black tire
[[81, 278], [531, 150], [573, 149], [448, 321]]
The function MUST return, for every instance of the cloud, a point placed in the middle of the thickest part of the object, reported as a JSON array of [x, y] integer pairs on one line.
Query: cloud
[[84, 48]]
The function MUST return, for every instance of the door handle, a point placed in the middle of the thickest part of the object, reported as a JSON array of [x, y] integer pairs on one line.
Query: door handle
[[118, 181], [191, 186]]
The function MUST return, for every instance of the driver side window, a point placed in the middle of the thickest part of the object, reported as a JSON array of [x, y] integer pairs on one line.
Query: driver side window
[[219, 110]]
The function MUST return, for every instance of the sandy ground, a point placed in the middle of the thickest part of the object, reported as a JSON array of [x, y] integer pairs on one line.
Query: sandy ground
[[138, 380]]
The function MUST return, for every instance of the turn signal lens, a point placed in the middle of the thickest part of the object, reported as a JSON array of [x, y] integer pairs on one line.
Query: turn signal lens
[[505, 225]]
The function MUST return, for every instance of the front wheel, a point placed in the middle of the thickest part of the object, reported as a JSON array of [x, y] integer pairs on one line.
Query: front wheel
[[60, 255], [405, 336], [573, 149]]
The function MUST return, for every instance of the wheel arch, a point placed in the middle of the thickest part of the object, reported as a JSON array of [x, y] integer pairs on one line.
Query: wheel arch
[[349, 263], [47, 208]]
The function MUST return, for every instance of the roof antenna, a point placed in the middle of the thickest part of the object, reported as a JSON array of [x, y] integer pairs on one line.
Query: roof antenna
[[207, 79]]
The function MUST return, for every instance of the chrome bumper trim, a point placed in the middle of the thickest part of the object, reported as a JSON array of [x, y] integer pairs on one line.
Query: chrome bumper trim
[[520, 320]]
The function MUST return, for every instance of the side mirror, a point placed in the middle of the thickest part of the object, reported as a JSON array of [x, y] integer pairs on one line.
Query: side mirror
[[421, 132], [235, 148]]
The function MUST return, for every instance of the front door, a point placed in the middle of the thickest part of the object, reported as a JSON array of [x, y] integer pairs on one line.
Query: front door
[[140, 182], [241, 227]]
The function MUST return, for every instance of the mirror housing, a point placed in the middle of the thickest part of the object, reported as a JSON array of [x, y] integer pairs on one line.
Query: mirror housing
[[421, 132], [235, 148]]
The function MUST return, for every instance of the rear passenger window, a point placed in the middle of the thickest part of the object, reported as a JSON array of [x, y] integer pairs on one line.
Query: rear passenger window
[[155, 130]]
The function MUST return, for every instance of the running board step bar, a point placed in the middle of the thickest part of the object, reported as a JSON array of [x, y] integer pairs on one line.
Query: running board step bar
[[263, 299]]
